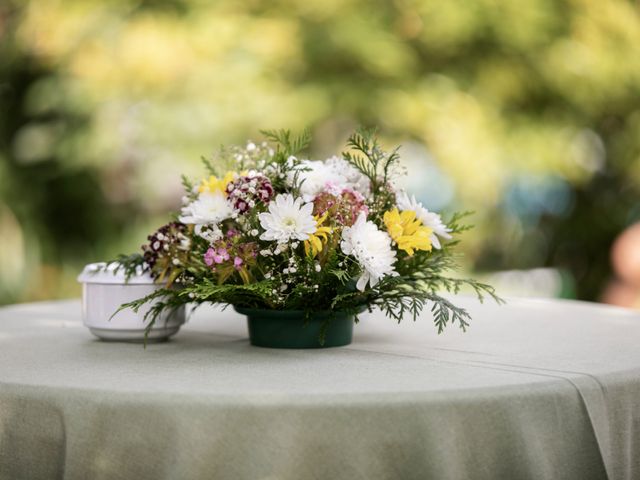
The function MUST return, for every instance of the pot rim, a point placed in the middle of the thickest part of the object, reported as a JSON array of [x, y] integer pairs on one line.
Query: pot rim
[[96, 274], [295, 313]]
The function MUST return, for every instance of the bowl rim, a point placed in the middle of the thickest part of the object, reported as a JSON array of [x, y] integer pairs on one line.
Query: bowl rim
[[96, 274]]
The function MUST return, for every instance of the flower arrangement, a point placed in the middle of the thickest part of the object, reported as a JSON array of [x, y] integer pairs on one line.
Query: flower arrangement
[[278, 232]]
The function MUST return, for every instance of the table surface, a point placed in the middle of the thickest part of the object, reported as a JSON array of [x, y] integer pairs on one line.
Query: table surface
[[533, 389]]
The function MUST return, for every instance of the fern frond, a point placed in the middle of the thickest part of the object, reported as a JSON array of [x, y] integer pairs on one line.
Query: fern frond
[[211, 170]]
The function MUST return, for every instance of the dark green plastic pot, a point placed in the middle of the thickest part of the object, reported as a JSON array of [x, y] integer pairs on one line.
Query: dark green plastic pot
[[291, 329]]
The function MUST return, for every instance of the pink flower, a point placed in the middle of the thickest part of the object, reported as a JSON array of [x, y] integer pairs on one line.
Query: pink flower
[[209, 257], [216, 256], [223, 254], [344, 206], [231, 251]]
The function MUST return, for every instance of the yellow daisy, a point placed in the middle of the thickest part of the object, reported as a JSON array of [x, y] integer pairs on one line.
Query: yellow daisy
[[407, 231], [213, 184]]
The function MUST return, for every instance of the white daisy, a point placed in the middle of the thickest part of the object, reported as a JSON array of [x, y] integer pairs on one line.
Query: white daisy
[[428, 219], [287, 219], [314, 176], [208, 208], [355, 179], [333, 175], [371, 248]]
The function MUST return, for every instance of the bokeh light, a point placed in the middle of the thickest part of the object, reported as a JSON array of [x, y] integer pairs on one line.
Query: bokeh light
[[527, 113]]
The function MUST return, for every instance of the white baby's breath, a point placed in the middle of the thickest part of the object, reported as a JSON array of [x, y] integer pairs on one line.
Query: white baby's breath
[[211, 233]]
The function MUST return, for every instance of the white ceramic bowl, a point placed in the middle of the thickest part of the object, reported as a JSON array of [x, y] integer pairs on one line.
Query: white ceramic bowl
[[103, 291]]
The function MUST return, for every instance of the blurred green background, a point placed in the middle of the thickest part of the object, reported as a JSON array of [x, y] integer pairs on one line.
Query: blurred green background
[[527, 112]]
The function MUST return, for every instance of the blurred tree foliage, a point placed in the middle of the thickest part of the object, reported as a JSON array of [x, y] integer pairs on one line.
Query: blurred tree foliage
[[530, 110]]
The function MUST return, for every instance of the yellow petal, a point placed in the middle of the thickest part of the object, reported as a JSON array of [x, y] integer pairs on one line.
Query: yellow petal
[[407, 216], [316, 245]]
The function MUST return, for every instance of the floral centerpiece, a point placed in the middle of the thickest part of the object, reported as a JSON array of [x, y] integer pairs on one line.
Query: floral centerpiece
[[302, 246]]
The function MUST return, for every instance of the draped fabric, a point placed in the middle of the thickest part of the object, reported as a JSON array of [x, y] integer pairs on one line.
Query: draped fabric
[[534, 389]]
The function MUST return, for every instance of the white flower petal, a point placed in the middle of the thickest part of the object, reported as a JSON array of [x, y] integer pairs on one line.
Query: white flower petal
[[362, 281], [428, 219], [208, 208], [371, 248], [333, 175], [288, 219]]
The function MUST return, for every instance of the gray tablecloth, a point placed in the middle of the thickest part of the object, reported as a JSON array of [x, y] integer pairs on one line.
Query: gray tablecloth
[[535, 389]]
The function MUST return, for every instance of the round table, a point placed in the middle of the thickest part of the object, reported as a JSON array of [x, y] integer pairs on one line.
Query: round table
[[534, 389]]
